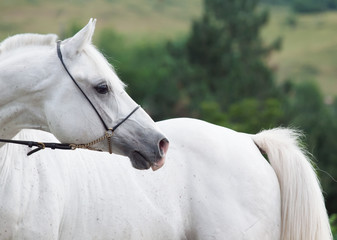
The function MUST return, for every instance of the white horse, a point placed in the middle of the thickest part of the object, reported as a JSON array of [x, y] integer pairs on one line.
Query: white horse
[[215, 183]]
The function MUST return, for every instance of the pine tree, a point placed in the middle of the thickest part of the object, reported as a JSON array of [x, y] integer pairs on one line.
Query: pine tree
[[225, 43]]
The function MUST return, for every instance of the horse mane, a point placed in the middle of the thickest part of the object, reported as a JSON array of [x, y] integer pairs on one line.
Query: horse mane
[[27, 39], [34, 39]]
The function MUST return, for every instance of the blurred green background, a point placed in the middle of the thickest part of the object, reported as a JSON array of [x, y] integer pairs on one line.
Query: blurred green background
[[244, 64]]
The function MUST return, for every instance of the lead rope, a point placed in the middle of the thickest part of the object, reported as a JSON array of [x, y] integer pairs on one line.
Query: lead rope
[[63, 146], [71, 146]]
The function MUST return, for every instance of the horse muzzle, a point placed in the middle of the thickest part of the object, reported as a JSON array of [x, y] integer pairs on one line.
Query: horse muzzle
[[150, 159]]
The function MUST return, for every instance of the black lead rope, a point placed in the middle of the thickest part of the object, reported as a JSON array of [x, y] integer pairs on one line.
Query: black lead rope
[[39, 145], [69, 146]]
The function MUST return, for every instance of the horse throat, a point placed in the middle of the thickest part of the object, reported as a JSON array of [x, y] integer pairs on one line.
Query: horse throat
[[20, 100]]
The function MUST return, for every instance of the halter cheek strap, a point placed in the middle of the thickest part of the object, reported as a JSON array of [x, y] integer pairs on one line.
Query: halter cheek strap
[[71, 146], [109, 131], [59, 54]]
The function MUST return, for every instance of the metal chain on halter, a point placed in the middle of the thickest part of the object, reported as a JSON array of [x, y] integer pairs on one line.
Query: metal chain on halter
[[108, 134]]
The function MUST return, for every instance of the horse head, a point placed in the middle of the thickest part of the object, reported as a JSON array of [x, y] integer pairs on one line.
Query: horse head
[[83, 99]]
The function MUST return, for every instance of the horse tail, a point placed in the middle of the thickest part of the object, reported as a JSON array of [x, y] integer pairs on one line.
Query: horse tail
[[303, 212]]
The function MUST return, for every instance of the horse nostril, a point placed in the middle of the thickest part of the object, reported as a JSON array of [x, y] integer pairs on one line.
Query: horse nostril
[[163, 147]]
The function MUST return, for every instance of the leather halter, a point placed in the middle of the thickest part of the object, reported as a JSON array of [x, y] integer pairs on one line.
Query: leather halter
[[71, 146]]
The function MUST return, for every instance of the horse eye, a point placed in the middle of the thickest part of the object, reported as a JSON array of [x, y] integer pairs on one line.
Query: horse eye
[[102, 88]]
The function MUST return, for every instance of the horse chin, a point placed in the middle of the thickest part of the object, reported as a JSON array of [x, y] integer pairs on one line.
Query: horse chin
[[138, 161]]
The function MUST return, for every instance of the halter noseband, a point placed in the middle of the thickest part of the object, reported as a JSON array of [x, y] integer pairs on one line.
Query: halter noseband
[[71, 146]]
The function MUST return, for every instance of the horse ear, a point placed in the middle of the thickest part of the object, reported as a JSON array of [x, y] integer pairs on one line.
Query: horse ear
[[75, 44]]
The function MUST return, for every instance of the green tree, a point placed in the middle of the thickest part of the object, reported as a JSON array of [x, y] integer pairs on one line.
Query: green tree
[[333, 223], [309, 6], [248, 115], [308, 112], [225, 43], [146, 69]]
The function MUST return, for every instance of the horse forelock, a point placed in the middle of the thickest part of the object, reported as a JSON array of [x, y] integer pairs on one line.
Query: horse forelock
[[27, 39]]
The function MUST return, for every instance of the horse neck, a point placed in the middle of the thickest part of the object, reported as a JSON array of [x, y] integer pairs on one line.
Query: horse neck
[[23, 76]]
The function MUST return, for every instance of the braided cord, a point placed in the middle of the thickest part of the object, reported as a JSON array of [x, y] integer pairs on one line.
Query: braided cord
[[108, 134]]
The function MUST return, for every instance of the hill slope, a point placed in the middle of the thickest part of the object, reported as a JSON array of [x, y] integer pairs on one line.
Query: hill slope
[[309, 51], [141, 19]]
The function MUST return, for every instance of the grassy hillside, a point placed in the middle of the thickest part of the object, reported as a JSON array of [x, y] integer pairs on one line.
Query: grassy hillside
[[139, 20], [309, 49]]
